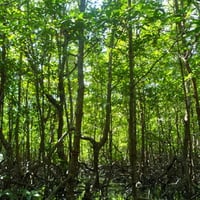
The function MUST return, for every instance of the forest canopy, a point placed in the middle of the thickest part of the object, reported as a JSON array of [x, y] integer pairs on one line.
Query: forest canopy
[[99, 99]]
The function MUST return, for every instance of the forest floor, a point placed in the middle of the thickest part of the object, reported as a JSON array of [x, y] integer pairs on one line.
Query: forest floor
[[162, 180]]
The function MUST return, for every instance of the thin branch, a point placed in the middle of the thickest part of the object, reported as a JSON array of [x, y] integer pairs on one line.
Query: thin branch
[[93, 142], [53, 101], [57, 144]]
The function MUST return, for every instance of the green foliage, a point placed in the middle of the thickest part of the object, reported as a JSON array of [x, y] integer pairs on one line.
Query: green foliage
[[39, 49], [20, 194]]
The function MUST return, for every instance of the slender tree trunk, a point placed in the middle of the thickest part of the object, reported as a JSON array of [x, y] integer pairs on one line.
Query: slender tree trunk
[[73, 164], [132, 110], [178, 140], [195, 88], [17, 126], [186, 84], [35, 64], [70, 113], [143, 130], [187, 56], [97, 146], [110, 146], [27, 125], [40, 109], [3, 67], [61, 91], [60, 105]]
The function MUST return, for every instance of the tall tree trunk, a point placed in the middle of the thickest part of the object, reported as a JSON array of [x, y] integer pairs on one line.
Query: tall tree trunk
[[132, 109], [70, 113], [60, 104], [73, 164], [61, 91], [143, 130], [97, 146], [17, 126], [27, 125], [186, 84], [3, 67], [35, 64], [40, 109]]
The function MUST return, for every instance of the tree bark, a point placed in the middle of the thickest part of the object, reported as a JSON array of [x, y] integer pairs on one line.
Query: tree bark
[[3, 67], [62, 51], [143, 131], [186, 84], [97, 145], [17, 126], [132, 110], [74, 164]]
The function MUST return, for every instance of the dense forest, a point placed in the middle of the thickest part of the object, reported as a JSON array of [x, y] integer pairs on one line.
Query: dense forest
[[99, 99]]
